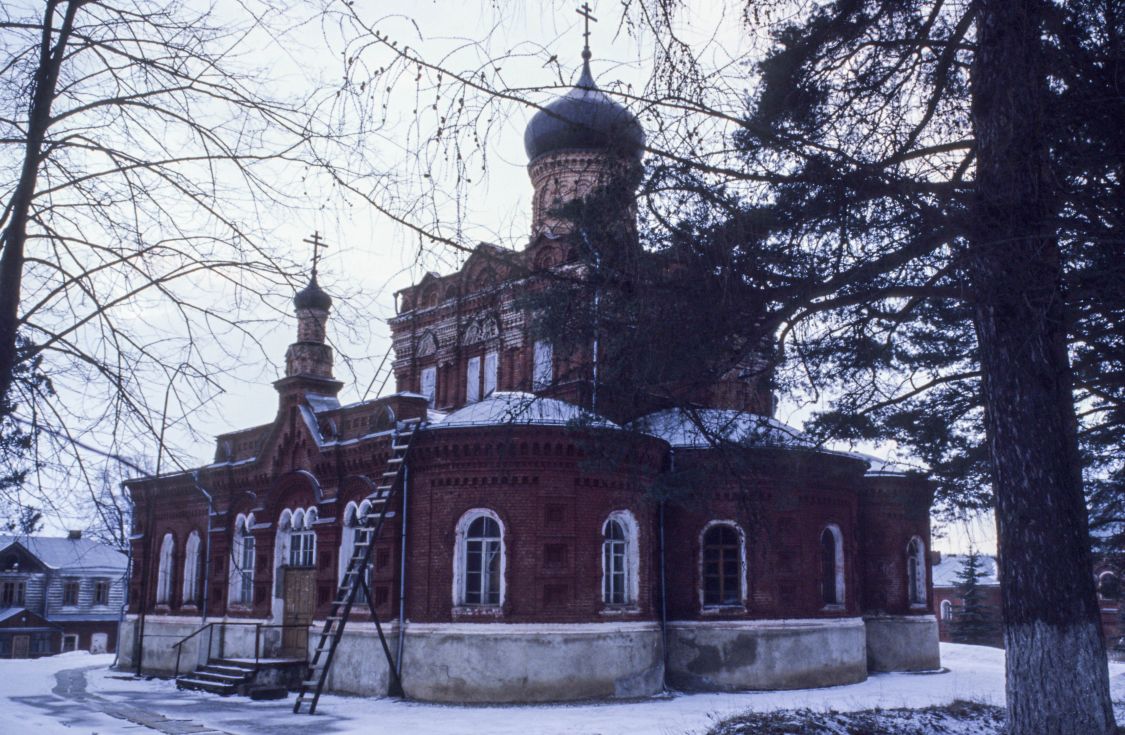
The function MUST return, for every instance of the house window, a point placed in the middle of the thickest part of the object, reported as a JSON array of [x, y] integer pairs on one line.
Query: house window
[[101, 592], [164, 571], [491, 372], [722, 565], [543, 367], [480, 560], [1109, 587], [12, 593], [243, 559], [428, 384], [613, 564], [916, 572], [831, 566], [302, 549], [69, 642], [619, 559], [41, 644], [946, 610], [191, 570], [70, 593], [472, 380]]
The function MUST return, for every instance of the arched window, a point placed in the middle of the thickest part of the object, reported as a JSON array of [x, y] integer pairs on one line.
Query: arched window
[[243, 559], [296, 539], [619, 559], [479, 571], [164, 571], [832, 565], [722, 565], [1109, 587], [916, 572], [191, 569], [946, 610]]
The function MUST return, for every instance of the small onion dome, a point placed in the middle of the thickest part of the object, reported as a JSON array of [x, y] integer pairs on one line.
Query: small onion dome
[[312, 297], [584, 118]]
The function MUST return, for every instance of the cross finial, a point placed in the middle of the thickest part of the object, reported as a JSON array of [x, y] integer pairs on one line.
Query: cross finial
[[585, 12], [317, 244]]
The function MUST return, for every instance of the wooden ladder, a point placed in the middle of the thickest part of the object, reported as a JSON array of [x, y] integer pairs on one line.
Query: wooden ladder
[[355, 576]]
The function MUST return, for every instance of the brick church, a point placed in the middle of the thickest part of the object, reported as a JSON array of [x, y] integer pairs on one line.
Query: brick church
[[517, 566]]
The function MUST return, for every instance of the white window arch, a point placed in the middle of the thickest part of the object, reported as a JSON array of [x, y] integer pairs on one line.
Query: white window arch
[[296, 539], [832, 566], [164, 570], [243, 558], [619, 559], [946, 610], [356, 530], [916, 572], [191, 569], [722, 565], [479, 562]]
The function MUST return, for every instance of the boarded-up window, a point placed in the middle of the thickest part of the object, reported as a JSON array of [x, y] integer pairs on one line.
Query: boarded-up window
[[429, 384], [491, 371], [543, 369], [472, 380]]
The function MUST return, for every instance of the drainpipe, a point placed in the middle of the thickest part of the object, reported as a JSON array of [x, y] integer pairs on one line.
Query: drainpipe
[[206, 544], [402, 571], [663, 577], [146, 571]]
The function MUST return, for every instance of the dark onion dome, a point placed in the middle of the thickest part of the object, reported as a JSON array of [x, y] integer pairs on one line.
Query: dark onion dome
[[312, 297], [584, 118]]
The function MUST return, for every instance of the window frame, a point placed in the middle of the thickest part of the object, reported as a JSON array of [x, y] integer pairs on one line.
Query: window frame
[[461, 573], [428, 375], [945, 611], [740, 558], [71, 591], [627, 577], [101, 592], [17, 597], [243, 561]]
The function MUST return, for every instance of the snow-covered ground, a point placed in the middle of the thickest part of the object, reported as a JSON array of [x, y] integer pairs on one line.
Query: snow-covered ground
[[34, 700]]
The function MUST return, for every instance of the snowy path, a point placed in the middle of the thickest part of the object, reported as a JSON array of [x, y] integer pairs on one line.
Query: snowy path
[[47, 697]]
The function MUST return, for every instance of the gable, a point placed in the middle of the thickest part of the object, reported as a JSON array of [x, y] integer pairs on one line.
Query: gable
[[14, 557]]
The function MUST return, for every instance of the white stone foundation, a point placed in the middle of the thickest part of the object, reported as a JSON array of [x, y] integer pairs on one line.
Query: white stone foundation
[[902, 643], [732, 655]]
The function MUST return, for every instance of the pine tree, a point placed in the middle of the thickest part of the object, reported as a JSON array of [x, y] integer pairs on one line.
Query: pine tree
[[975, 621]]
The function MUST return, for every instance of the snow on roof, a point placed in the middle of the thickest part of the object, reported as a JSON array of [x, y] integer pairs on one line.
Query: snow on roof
[[320, 404], [514, 407], [945, 572], [705, 426], [885, 467], [65, 553]]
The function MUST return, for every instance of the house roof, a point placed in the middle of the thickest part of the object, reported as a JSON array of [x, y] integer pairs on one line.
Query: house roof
[[71, 554], [945, 572], [703, 427], [514, 407]]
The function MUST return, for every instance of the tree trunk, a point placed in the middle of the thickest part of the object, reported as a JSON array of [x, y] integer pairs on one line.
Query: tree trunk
[[1057, 676], [52, 51]]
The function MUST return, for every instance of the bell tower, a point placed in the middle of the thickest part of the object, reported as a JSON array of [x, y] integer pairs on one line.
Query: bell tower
[[308, 361]]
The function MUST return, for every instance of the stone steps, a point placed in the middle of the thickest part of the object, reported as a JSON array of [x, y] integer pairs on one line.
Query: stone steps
[[223, 679]]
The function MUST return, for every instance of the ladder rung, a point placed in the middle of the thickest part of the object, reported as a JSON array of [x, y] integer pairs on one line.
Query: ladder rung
[[391, 474], [400, 447], [310, 683], [384, 488]]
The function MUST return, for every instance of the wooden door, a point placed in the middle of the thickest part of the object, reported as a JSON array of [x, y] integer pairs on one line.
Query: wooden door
[[21, 644], [300, 601]]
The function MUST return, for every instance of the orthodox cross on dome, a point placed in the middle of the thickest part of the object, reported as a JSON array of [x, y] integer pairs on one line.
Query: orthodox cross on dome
[[585, 12], [317, 244]]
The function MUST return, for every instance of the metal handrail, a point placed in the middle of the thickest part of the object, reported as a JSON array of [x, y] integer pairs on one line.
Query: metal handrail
[[178, 645]]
